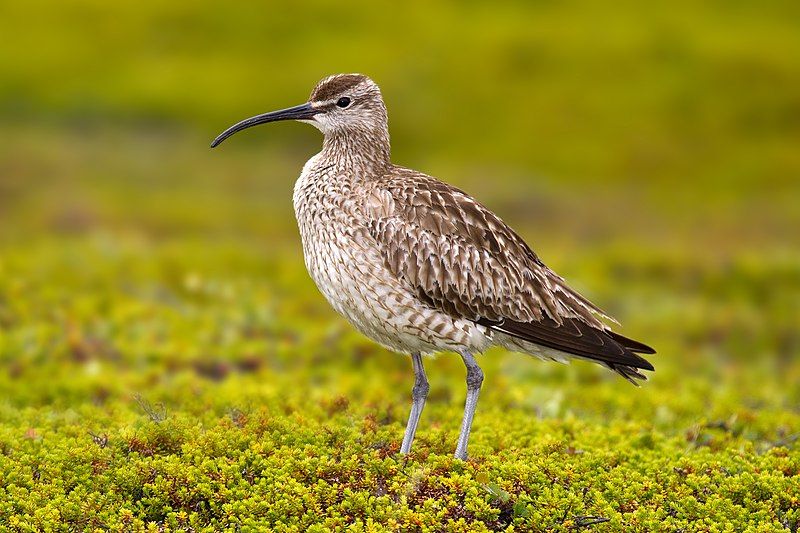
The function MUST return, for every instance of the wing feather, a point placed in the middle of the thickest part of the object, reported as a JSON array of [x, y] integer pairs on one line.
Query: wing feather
[[464, 260]]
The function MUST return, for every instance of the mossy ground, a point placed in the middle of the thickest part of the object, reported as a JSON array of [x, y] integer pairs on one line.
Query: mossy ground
[[166, 363], [205, 385]]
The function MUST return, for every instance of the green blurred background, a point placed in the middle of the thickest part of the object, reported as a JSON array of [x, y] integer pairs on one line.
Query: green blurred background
[[649, 152], [685, 118], [665, 136]]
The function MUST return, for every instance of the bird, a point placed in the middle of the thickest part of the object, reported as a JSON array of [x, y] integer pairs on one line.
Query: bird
[[421, 267]]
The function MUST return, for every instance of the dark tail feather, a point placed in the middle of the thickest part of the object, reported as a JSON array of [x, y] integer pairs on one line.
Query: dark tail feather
[[629, 372], [632, 345], [573, 336]]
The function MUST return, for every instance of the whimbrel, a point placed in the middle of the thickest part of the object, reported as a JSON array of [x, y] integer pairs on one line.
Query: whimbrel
[[421, 267]]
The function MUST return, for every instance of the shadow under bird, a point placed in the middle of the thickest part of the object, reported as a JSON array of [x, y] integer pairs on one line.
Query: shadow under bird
[[421, 267]]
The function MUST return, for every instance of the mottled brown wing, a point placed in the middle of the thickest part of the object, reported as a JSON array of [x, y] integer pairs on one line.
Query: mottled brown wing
[[466, 260], [462, 259]]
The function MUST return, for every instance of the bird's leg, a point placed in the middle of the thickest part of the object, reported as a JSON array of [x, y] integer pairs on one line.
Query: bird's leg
[[418, 395], [474, 380]]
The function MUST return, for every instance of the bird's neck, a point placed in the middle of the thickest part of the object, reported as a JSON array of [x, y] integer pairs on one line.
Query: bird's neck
[[366, 151]]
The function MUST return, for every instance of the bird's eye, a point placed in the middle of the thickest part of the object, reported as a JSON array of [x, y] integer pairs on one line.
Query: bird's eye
[[343, 102]]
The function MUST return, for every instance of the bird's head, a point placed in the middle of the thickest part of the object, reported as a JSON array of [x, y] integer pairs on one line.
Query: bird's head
[[343, 103]]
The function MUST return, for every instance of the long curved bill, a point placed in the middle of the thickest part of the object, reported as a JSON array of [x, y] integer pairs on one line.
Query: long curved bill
[[298, 112]]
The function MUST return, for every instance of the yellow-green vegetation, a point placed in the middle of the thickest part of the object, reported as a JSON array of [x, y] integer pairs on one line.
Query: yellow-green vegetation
[[167, 365]]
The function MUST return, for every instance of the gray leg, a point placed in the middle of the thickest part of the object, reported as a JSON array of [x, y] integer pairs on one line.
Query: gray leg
[[418, 395], [474, 380]]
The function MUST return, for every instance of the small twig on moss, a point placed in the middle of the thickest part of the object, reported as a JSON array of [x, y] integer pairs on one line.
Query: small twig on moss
[[586, 521], [157, 412]]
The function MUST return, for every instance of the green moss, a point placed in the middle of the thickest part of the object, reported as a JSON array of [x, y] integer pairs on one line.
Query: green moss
[[111, 417]]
